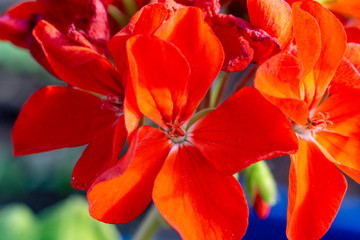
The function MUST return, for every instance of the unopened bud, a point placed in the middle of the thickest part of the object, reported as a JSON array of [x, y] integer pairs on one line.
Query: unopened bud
[[260, 188]]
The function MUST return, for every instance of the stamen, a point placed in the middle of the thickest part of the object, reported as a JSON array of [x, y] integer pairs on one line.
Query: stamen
[[175, 129]]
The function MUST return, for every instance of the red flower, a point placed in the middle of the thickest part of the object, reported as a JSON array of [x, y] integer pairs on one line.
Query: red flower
[[327, 128], [88, 112], [186, 167]]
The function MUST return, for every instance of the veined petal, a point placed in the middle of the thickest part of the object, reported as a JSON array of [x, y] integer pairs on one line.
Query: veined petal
[[198, 201], [340, 139], [316, 190], [78, 66], [346, 76], [333, 44], [188, 31], [353, 54], [123, 192], [160, 75], [245, 129], [57, 117], [274, 17], [278, 79]]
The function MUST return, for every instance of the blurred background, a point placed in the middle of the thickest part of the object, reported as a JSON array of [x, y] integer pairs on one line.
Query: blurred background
[[38, 202]]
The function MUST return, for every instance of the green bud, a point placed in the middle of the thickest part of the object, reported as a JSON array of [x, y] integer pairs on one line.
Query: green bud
[[258, 177]]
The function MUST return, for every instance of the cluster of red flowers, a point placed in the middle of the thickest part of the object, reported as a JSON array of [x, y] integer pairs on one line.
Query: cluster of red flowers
[[146, 78]]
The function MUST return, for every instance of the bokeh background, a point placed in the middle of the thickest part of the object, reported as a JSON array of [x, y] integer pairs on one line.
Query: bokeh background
[[38, 202]]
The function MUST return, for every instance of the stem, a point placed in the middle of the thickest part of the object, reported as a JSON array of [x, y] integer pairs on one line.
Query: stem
[[149, 226], [219, 88], [247, 78]]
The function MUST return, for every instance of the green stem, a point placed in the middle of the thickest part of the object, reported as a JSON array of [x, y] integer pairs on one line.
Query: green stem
[[219, 88], [149, 226]]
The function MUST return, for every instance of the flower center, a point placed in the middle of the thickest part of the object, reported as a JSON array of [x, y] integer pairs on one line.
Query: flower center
[[175, 132], [113, 103], [319, 122]]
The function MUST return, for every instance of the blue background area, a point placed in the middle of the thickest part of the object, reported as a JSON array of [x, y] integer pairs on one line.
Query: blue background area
[[345, 226]]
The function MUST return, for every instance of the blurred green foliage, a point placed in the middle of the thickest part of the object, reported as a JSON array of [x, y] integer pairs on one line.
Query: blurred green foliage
[[67, 220]]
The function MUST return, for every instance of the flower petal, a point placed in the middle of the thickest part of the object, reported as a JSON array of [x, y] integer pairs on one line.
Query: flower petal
[[160, 76], [346, 76], [214, 204], [97, 157], [187, 30], [245, 129], [274, 17], [122, 193], [57, 117], [77, 65], [145, 21], [353, 54], [341, 138], [346, 7], [278, 79], [15, 23], [333, 44], [316, 190]]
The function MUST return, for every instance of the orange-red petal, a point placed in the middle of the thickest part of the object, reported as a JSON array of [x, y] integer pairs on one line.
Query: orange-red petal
[[160, 74], [316, 190], [188, 31], [274, 17], [245, 129], [278, 79], [145, 22], [122, 193], [341, 138], [198, 201], [57, 117], [333, 44]]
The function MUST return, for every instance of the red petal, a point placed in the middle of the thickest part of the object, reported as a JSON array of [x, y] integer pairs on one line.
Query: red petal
[[238, 52], [346, 76], [145, 21], [120, 196], [333, 44], [187, 30], [353, 34], [274, 17], [316, 190], [244, 129], [353, 54], [278, 79], [160, 75], [77, 65], [15, 23], [57, 117], [198, 201], [236, 36], [341, 139], [97, 157]]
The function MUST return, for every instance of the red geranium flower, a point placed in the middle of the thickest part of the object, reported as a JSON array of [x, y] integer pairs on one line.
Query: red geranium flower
[[186, 166], [327, 128]]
